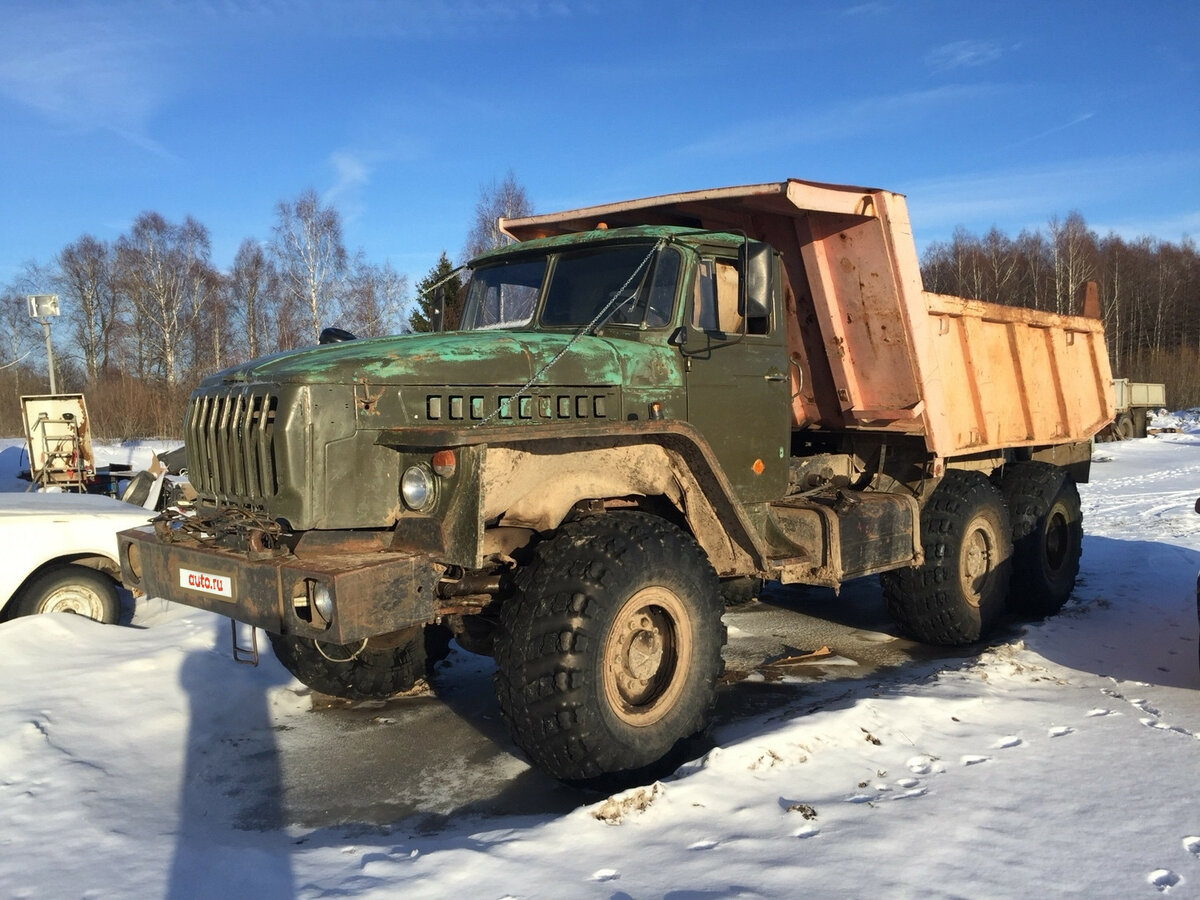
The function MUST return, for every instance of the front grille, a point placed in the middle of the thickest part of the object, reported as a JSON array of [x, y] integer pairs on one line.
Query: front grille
[[231, 447]]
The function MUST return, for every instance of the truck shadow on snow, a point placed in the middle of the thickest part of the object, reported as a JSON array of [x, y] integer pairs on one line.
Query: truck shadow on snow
[[426, 764], [1132, 616]]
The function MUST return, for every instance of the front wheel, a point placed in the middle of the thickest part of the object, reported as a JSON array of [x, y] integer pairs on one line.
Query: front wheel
[[71, 589], [609, 652], [959, 592], [370, 670]]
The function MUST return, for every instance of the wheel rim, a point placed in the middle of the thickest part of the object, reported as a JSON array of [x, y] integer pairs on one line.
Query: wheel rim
[[977, 560], [1057, 542], [77, 599], [646, 656]]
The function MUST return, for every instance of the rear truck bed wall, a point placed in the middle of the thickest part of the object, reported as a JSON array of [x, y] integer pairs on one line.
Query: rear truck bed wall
[[871, 350], [1129, 394]]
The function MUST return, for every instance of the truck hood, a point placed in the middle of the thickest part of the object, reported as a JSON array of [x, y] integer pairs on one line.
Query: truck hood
[[478, 357]]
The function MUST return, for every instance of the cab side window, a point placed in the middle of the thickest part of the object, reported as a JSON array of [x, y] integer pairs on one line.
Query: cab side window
[[715, 304]]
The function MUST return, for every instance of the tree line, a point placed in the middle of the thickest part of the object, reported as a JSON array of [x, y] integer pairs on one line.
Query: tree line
[[147, 315]]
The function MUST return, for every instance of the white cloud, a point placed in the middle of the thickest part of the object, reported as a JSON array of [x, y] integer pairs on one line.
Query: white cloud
[[870, 8], [1110, 192], [838, 123], [351, 173], [962, 54], [83, 68], [1054, 129], [397, 19]]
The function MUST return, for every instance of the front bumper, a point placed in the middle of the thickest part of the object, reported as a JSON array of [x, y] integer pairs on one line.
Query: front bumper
[[371, 593]]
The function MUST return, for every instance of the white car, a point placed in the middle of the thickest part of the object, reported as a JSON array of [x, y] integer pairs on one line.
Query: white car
[[60, 553]]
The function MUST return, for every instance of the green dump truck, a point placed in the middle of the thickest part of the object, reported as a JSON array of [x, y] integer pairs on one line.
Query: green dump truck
[[647, 404]]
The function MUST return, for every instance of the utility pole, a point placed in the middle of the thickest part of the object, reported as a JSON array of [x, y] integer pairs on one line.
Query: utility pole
[[41, 307]]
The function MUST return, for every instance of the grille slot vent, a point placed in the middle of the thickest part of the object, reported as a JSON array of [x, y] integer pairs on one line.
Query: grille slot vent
[[475, 407], [233, 436]]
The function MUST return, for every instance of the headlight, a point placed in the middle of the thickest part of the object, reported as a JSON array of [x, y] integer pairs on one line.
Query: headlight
[[416, 488], [322, 601]]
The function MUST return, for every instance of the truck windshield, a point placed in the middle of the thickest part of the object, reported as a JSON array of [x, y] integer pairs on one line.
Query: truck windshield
[[504, 295], [581, 283]]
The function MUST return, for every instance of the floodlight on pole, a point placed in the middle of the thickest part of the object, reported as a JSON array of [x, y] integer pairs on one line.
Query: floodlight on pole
[[41, 307]]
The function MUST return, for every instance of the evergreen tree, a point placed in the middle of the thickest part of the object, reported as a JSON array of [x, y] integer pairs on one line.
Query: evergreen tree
[[422, 318]]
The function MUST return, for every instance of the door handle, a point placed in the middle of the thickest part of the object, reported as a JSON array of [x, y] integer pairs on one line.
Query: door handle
[[775, 376]]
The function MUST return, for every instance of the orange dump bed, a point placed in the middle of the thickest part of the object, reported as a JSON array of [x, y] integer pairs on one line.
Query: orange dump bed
[[872, 350]]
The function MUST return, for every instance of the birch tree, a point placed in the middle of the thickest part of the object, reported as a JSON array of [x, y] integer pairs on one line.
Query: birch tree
[[85, 281], [374, 300], [249, 291], [506, 198], [164, 270], [310, 257]]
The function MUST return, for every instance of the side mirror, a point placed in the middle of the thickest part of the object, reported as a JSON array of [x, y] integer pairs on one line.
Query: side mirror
[[756, 299]]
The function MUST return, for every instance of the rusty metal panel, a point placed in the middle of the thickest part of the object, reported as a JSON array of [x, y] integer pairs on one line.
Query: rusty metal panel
[[999, 376], [373, 592]]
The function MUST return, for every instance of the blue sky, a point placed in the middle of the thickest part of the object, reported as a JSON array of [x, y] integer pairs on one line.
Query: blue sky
[[983, 113]]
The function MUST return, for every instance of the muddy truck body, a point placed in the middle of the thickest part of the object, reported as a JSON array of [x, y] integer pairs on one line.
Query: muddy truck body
[[649, 406]]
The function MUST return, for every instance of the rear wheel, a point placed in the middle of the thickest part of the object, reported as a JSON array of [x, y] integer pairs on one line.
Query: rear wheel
[[959, 592], [71, 589], [368, 670], [609, 652], [1140, 422], [1122, 429], [1047, 532]]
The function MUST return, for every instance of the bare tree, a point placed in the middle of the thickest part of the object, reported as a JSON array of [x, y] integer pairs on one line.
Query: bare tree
[[22, 335], [311, 257], [165, 271], [17, 335], [249, 290], [85, 279], [1033, 266], [1074, 249], [374, 300], [506, 198]]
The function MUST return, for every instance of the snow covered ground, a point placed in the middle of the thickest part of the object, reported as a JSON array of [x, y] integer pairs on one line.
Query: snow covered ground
[[1062, 763]]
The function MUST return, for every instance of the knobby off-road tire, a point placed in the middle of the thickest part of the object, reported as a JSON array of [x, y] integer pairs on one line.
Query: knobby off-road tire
[[960, 591], [739, 591], [71, 589], [609, 652], [369, 673], [1047, 533], [1141, 421]]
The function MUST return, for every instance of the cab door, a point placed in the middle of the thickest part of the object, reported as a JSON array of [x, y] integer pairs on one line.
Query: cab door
[[738, 384]]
